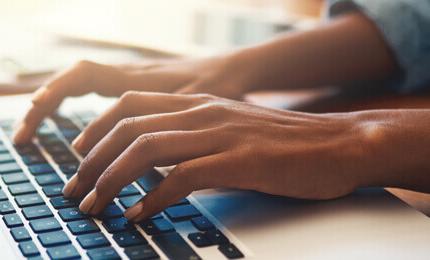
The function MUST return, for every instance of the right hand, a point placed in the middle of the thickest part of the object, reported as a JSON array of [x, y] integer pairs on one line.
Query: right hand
[[208, 75]]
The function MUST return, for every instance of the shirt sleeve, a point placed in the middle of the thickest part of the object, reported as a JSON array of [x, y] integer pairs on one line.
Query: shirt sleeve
[[405, 25]]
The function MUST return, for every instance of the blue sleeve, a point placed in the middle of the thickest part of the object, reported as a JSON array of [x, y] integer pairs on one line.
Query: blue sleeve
[[405, 25]]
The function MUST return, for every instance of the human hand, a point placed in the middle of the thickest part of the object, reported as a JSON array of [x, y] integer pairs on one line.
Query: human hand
[[208, 75], [215, 142]]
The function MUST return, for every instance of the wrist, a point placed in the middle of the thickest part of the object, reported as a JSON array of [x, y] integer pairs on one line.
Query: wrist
[[396, 147], [248, 63]]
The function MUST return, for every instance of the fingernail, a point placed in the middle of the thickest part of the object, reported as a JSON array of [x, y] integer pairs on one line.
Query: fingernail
[[134, 211], [88, 203], [77, 143], [70, 186]]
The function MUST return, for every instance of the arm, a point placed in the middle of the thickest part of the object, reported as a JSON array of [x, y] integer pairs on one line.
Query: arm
[[346, 50]]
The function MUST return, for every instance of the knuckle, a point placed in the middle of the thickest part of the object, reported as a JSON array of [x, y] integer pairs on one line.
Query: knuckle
[[85, 64], [129, 96], [124, 125], [182, 174], [217, 107], [126, 101], [204, 97], [145, 144], [146, 141]]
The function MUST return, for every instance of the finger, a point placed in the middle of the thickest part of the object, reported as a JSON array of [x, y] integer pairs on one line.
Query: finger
[[186, 177], [73, 82], [131, 104], [118, 139], [148, 151]]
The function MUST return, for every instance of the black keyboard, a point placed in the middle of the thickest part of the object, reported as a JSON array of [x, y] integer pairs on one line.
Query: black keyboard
[[38, 216]]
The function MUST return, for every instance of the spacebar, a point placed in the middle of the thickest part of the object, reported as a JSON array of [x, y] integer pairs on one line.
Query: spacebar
[[174, 246]]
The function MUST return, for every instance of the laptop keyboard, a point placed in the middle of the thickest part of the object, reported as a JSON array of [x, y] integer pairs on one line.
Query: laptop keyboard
[[35, 211]]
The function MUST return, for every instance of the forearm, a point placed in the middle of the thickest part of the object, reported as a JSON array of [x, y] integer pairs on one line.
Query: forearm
[[345, 50], [397, 148]]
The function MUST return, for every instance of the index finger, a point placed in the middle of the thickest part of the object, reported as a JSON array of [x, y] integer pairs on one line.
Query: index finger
[[48, 98], [148, 151]]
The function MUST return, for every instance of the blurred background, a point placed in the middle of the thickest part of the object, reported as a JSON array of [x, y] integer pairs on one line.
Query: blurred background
[[40, 36]]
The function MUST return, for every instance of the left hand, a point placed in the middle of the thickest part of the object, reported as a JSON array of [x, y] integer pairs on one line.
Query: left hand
[[215, 142]]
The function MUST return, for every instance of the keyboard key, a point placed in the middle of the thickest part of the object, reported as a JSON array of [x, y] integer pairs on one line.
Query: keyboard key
[[45, 225], [71, 214], [115, 225], [230, 251], [37, 212], [129, 238], [40, 168], [182, 212], [93, 240], [111, 211], [156, 226], [69, 168], [202, 223], [35, 158], [13, 178], [174, 246], [12, 220], [67, 157], [28, 248], [150, 180], [20, 234], [6, 207], [56, 148], [82, 226], [199, 239], [26, 149], [53, 190], [141, 252], [21, 188], [29, 200], [48, 179], [9, 168], [3, 148], [61, 202], [157, 216], [49, 139], [63, 252], [6, 158], [182, 201], [216, 237], [104, 253], [63, 122], [129, 201], [128, 190], [54, 238], [70, 134], [2, 195]]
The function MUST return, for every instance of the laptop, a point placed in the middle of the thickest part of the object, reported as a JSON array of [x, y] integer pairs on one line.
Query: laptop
[[38, 223]]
